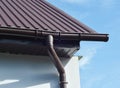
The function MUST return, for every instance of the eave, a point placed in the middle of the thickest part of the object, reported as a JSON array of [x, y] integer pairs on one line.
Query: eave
[[32, 42]]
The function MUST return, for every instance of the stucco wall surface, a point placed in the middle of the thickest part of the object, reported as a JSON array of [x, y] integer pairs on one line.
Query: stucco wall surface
[[26, 71]]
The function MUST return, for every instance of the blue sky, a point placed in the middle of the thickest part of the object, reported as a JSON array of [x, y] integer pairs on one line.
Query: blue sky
[[99, 67]]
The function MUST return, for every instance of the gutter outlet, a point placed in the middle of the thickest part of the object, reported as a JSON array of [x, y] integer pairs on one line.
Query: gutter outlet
[[57, 62]]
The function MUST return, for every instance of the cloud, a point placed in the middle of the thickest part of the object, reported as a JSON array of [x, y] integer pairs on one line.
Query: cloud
[[87, 56], [88, 50], [101, 3], [77, 1], [83, 15], [94, 81], [108, 3]]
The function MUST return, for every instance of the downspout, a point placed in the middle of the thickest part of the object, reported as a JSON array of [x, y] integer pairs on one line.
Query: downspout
[[58, 64]]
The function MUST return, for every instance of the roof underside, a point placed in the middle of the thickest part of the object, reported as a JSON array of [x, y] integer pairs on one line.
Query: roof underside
[[38, 15]]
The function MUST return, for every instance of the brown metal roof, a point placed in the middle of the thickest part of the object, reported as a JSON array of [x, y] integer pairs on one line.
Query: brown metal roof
[[38, 15]]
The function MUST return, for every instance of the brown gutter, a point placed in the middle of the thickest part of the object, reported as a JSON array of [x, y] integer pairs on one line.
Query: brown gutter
[[56, 61], [30, 33]]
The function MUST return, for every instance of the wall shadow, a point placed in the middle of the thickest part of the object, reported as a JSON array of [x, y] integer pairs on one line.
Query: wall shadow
[[29, 71]]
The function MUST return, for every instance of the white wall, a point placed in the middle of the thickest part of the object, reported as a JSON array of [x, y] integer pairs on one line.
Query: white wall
[[24, 71]]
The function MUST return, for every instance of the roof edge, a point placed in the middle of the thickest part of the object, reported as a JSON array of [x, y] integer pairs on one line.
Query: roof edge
[[38, 34], [70, 17]]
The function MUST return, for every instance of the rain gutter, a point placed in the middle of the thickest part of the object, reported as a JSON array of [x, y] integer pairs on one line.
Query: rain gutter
[[40, 34]]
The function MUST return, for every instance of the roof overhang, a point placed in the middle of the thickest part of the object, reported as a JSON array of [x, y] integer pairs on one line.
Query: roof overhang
[[32, 42]]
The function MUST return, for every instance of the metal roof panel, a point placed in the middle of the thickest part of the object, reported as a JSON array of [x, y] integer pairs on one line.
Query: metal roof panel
[[38, 14]]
